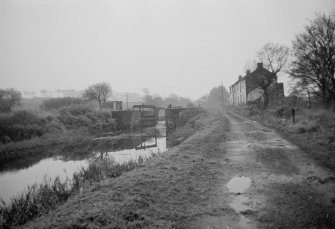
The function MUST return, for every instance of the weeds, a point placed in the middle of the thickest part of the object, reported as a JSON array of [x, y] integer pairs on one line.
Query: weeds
[[313, 131], [40, 199], [36, 201], [188, 125]]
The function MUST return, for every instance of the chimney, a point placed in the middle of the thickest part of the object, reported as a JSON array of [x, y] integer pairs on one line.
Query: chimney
[[247, 72], [239, 77], [259, 65]]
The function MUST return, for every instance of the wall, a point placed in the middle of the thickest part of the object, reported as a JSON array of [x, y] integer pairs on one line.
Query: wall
[[127, 119], [238, 94], [132, 119]]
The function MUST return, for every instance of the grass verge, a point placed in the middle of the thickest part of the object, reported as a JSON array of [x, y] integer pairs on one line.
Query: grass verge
[[191, 122], [313, 131]]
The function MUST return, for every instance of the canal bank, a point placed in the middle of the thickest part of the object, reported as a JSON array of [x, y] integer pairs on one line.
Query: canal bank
[[232, 173], [164, 190], [41, 199], [64, 164]]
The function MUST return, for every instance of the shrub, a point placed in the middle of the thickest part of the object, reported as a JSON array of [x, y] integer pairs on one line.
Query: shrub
[[83, 116], [21, 125], [57, 103], [307, 126], [315, 120]]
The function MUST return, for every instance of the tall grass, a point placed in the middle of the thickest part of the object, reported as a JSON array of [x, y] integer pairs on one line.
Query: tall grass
[[189, 122], [36, 201], [315, 120], [313, 131], [40, 199]]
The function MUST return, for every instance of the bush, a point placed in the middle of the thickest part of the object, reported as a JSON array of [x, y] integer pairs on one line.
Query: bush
[[21, 125], [57, 103], [315, 120], [83, 116]]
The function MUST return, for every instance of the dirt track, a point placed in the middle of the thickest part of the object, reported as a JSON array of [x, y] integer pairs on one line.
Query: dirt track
[[287, 189], [191, 186]]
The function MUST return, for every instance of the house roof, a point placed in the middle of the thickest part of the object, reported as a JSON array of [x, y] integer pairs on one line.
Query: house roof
[[259, 67]]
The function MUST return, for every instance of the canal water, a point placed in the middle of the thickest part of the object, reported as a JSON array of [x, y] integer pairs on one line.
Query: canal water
[[15, 182]]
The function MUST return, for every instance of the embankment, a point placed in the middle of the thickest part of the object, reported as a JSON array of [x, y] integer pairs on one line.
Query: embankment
[[165, 192], [40, 199]]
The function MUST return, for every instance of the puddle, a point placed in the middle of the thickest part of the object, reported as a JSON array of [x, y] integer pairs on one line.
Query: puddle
[[239, 203], [239, 184]]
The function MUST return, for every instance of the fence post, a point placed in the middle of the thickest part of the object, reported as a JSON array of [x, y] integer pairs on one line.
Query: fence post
[[293, 115]]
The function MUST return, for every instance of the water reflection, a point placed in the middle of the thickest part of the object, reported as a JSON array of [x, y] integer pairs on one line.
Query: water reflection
[[65, 164], [14, 183], [152, 146]]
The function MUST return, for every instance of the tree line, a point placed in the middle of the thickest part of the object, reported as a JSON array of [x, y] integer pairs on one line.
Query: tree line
[[100, 92]]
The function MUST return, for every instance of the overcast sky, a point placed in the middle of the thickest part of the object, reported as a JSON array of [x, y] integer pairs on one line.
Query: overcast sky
[[169, 46]]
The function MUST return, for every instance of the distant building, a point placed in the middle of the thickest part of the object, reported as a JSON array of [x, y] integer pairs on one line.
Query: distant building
[[113, 105], [249, 87]]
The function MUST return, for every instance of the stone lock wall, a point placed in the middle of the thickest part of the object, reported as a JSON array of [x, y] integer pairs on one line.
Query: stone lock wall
[[132, 119]]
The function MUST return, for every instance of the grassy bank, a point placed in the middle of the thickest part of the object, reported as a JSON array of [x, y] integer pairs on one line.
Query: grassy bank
[[313, 131], [165, 192], [189, 122], [40, 199]]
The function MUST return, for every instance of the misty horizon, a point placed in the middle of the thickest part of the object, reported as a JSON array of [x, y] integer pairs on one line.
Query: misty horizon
[[180, 47]]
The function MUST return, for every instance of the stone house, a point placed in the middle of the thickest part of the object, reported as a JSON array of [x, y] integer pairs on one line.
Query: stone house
[[250, 88]]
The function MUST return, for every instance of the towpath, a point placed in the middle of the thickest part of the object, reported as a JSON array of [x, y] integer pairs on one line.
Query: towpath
[[269, 183], [234, 173]]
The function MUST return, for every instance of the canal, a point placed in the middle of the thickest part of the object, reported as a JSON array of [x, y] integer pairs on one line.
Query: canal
[[14, 182]]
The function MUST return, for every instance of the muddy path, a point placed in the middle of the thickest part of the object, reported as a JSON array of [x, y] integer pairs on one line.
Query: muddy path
[[233, 173], [269, 183]]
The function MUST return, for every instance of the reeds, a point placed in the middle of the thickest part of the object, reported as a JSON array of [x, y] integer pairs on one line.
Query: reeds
[[39, 199]]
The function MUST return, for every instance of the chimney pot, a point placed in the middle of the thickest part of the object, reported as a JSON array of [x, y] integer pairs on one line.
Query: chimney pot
[[259, 65]]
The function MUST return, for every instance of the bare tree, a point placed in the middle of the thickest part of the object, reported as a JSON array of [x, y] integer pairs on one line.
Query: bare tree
[[99, 92], [314, 63], [302, 89], [274, 57], [9, 98], [250, 64]]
